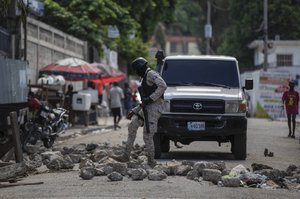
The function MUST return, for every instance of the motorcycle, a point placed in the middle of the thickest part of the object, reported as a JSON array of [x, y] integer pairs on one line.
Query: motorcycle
[[45, 126]]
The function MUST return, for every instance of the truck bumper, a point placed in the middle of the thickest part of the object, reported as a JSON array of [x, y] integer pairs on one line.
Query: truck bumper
[[216, 127]]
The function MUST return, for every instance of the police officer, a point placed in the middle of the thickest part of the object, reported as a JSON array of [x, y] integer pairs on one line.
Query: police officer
[[153, 87]]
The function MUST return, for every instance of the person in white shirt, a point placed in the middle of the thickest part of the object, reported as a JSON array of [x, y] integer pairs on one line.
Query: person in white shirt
[[116, 95]]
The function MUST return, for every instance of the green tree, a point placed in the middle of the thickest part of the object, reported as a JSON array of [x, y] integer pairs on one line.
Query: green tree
[[188, 20], [4, 7], [90, 21], [236, 23], [246, 18], [191, 17], [149, 13]]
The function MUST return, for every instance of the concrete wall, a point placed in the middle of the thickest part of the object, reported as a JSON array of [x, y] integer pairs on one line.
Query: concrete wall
[[46, 45], [278, 47]]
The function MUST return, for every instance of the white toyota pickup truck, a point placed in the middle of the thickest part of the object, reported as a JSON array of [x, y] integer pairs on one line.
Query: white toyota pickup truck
[[205, 102]]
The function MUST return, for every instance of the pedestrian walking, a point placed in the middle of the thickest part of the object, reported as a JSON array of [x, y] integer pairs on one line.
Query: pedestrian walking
[[68, 104], [127, 98], [116, 95], [147, 113], [290, 99]]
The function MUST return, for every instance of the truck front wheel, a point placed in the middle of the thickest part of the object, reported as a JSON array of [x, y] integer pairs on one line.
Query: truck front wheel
[[239, 146], [165, 144]]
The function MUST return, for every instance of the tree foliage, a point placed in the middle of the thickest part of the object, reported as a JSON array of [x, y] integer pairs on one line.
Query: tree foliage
[[4, 7], [149, 13], [246, 25], [236, 23], [191, 17], [89, 20]]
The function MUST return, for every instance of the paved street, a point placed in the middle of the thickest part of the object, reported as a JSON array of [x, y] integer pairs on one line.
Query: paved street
[[261, 134]]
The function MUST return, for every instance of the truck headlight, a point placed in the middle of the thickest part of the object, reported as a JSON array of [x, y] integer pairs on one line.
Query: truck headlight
[[236, 106]]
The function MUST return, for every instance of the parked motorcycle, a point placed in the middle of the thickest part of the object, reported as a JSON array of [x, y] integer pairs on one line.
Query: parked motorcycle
[[46, 126]]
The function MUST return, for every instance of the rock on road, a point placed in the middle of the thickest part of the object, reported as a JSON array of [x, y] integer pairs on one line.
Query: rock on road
[[261, 134]]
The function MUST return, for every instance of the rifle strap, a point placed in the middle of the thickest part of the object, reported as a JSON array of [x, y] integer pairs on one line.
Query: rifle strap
[[139, 116]]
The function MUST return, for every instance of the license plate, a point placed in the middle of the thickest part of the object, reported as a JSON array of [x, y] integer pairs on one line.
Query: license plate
[[196, 126]]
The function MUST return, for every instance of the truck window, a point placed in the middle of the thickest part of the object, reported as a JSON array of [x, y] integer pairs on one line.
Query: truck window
[[201, 72]]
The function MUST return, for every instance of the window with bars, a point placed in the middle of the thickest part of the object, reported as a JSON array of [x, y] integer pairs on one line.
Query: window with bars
[[284, 60]]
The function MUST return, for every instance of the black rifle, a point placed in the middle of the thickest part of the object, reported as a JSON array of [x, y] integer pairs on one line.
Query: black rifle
[[160, 59], [146, 121]]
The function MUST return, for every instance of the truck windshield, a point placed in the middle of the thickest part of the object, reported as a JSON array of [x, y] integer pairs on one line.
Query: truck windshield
[[220, 73]]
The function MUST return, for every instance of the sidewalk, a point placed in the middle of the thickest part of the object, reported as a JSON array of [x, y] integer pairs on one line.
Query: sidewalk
[[104, 124]]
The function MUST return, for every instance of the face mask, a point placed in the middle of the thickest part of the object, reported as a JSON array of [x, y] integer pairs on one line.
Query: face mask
[[141, 71]]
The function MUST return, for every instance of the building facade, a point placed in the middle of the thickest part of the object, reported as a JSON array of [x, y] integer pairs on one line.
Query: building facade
[[280, 53], [182, 45], [269, 85], [177, 45]]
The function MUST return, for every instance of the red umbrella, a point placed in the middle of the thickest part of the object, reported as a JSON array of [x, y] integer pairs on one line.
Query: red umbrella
[[109, 74], [72, 69], [106, 70]]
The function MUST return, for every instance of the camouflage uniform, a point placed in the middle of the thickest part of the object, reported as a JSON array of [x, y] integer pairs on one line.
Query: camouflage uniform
[[154, 111]]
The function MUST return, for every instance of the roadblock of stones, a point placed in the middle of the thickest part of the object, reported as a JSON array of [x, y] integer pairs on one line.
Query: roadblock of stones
[[93, 160]]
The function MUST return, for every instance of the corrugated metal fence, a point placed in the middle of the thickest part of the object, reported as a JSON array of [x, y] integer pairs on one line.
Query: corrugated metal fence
[[13, 81], [4, 42]]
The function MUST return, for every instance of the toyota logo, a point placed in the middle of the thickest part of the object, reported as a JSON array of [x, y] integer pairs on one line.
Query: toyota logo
[[197, 106]]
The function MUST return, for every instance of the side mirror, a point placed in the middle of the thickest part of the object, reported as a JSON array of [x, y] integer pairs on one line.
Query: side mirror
[[248, 84]]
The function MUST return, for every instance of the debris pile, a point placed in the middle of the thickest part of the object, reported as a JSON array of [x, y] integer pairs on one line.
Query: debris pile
[[94, 160]]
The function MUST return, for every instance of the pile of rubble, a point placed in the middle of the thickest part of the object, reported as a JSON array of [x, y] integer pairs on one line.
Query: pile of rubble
[[94, 160]]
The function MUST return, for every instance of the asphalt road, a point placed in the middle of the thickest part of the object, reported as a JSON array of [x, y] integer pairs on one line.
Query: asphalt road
[[261, 134]]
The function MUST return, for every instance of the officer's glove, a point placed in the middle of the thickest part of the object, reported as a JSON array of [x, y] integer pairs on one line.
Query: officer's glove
[[130, 114], [147, 100]]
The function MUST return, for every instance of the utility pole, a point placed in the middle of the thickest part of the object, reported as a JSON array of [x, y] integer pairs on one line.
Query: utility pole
[[265, 35], [208, 28]]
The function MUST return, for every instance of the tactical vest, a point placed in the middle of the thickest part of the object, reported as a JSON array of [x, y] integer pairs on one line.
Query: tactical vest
[[148, 90]]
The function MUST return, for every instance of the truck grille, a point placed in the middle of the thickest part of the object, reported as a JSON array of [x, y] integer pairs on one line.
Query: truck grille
[[197, 106]]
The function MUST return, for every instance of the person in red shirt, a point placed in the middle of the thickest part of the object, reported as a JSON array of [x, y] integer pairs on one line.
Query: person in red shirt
[[290, 99], [33, 103]]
